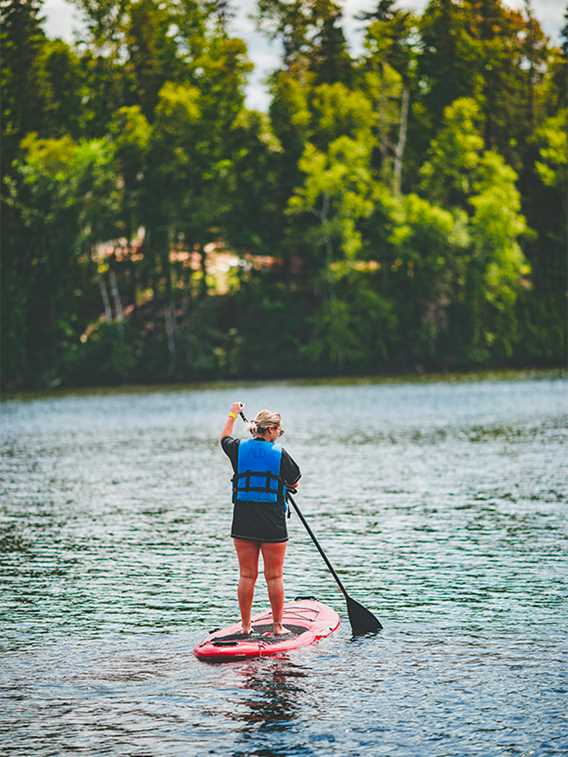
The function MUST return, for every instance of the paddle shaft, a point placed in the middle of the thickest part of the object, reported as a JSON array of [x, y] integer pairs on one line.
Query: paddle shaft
[[362, 621], [316, 542]]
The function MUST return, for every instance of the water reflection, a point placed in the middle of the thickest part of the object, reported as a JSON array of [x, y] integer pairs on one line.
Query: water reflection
[[276, 691], [271, 699]]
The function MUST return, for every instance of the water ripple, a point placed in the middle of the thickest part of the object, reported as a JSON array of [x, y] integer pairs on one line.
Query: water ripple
[[442, 506]]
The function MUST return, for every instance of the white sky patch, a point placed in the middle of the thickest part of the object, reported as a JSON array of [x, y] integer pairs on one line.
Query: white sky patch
[[62, 20]]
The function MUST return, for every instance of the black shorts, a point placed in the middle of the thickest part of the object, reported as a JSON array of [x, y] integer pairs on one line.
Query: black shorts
[[259, 521]]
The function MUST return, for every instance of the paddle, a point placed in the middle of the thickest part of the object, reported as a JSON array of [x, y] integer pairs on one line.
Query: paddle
[[361, 619]]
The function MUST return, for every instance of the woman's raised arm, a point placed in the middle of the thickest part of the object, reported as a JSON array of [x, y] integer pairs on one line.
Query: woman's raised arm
[[236, 408]]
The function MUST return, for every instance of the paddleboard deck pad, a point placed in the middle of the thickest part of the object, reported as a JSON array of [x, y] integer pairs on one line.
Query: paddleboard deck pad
[[307, 620]]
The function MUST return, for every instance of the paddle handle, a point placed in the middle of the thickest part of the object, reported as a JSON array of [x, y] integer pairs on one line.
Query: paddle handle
[[316, 542]]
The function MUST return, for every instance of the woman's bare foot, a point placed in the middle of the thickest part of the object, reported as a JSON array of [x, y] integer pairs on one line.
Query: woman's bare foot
[[279, 630]]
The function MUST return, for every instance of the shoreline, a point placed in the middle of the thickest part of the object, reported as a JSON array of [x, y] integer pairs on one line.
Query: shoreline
[[457, 377]]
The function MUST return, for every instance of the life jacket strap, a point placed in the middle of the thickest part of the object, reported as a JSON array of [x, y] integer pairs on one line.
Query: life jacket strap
[[266, 489]]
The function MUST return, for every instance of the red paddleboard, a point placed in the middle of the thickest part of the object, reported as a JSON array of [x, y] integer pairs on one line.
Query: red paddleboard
[[307, 620]]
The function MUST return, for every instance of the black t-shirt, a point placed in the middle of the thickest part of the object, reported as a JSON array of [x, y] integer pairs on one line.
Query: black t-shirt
[[260, 521]]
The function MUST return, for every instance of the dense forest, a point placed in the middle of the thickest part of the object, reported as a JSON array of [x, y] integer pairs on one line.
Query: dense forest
[[400, 209]]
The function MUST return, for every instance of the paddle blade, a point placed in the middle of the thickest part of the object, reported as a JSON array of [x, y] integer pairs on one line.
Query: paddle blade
[[362, 621]]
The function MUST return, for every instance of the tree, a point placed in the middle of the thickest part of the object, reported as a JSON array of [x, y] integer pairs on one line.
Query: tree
[[153, 56], [559, 67], [21, 41], [337, 111], [310, 33], [130, 132], [411, 200], [66, 196], [427, 261], [552, 142], [454, 155], [447, 65], [223, 13], [337, 193], [288, 21], [62, 90], [389, 78], [498, 267], [329, 56], [535, 53], [543, 307], [255, 189], [461, 175], [171, 174], [22, 103]]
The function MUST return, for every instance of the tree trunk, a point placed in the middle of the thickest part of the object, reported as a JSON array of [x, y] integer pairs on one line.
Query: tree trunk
[[115, 296], [203, 283], [401, 144], [151, 260], [328, 246], [105, 299], [187, 274], [170, 323], [164, 237]]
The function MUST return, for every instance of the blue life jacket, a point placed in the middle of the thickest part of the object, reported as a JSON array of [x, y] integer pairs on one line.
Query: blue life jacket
[[258, 473]]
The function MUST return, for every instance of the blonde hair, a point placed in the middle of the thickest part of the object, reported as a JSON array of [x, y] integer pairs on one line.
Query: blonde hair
[[264, 420]]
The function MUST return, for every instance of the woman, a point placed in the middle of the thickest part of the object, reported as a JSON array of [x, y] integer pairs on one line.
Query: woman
[[263, 472]]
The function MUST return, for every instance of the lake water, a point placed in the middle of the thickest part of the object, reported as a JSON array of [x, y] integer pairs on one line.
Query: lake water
[[441, 504]]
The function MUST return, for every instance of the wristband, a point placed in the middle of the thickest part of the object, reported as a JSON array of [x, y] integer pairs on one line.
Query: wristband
[[232, 415]]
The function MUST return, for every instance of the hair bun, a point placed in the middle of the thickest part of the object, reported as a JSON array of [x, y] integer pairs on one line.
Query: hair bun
[[264, 420]]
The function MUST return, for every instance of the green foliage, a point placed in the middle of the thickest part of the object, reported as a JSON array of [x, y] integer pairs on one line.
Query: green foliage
[[329, 56], [390, 39], [498, 264], [288, 21], [270, 321], [449, 59], [340, 112], [353, 331], [21, 42], [454, 154], [40, 195], [110, 356], [496, 225], [206, 349], [337, 192], [130, 133], [334, 342], [428, 266], [400, 208], [552, 141], [310, 32], [255, 186], [153, 57]]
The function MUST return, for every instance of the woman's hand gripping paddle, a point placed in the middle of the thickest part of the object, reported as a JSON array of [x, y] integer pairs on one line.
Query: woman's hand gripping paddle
[[362, 620]]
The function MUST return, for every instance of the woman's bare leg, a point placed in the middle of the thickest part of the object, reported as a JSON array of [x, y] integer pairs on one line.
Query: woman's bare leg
[[247, 553], [273, 556]]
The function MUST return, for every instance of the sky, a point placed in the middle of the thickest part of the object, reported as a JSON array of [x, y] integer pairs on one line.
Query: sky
[[62, 20]]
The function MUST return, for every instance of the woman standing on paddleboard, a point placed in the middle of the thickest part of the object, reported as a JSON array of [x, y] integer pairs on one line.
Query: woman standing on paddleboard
[[263, 472]]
